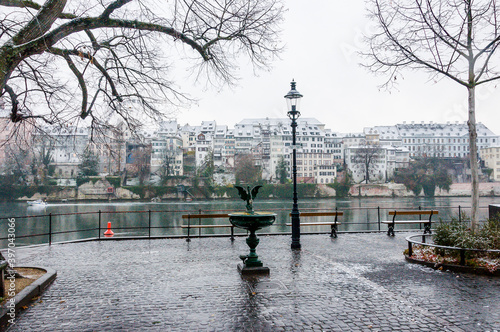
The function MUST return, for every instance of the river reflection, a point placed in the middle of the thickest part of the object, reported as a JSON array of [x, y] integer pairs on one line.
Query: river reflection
[[72, 221]]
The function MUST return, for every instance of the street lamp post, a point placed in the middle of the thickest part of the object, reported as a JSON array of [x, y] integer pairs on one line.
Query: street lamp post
[[293, 101]]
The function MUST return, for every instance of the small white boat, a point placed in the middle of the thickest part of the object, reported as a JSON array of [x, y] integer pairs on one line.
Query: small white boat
[[37, 202]]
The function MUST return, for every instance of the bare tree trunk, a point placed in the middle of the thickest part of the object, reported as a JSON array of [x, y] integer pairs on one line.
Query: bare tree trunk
[[473, 156]]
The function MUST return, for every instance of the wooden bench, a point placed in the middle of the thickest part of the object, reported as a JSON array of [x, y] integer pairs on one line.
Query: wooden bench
[[191, 217], [427, 223], [334, 224]]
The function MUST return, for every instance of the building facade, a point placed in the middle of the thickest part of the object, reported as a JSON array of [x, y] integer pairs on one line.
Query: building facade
[[491, 158]]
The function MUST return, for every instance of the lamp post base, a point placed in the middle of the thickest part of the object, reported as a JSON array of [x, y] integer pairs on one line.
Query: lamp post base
[[252, 271], [295, 245]]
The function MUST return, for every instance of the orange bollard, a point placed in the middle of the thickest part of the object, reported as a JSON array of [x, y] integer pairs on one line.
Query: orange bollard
[[109, 232]]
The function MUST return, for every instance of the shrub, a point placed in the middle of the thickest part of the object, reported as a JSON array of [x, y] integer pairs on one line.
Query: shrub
[[114, 181], [81, 179], [459, 234]]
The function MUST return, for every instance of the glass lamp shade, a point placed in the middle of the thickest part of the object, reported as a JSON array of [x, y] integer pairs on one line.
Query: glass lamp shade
[[293, 98]]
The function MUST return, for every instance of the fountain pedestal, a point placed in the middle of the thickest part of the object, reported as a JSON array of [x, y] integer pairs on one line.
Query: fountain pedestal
[[252, 221]]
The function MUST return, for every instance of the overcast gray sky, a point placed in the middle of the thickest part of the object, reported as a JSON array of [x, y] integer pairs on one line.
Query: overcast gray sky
[[322, 38]]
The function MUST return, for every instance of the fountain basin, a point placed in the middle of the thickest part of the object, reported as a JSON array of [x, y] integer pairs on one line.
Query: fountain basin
[[252, 221]]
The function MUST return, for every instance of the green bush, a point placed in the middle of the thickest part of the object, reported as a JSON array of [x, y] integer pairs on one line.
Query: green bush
[[304, 190], [163, 190], [229, 191], [11, 193], [81, 179], [114, 181], [153, 191], [459, 234]]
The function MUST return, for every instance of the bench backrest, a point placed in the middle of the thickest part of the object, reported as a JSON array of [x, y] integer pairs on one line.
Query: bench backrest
[[413, 212], [320, 214], [205, 216]]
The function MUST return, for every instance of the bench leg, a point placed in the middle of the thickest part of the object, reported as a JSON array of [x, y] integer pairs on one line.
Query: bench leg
[[390, 230], [188, 238], [334, 231], [427, 228]]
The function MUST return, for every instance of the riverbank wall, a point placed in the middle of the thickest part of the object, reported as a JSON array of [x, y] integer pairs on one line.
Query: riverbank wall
[[103, 190], [399, 190]]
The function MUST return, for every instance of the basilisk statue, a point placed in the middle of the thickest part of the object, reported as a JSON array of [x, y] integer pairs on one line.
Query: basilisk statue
[[248, 196]]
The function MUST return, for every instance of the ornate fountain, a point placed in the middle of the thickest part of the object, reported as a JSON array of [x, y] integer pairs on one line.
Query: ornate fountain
[[251, 221]]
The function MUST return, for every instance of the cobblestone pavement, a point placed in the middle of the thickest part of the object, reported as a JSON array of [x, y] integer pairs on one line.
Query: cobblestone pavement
[[357, 282]]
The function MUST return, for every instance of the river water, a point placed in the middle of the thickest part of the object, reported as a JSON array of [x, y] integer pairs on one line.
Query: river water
[[73, 221]]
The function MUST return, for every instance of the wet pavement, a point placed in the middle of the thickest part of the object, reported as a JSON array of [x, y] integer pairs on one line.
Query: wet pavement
[[357, 282]]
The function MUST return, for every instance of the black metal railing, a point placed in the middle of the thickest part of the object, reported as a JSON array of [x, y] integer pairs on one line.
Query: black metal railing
[[462, 251], [45, 228]]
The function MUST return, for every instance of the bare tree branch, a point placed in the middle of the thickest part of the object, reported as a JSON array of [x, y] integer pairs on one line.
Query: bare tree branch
[[41, 23], [32, 5], [118, 54]]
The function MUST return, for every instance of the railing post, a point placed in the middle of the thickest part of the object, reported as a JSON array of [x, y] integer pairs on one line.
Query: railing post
[[189, 228], [378, 214], [149, 226], [410, 249], [50, 229], [420, 217], [462, 256], [199, 223], [459, 213], [232, 233], [99, 224]]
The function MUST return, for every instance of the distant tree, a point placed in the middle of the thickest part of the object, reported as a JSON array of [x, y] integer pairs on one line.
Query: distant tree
[[367, 155], [17, 165], [141, 163], [426, 174], [342, 188], [281, 172], [89, 164], [245, 171], [167, 168], [206, 171], [447, 38], [40, 164]]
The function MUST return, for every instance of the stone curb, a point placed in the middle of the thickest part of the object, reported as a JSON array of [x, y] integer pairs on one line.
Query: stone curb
[[454, 268], [24, 297]]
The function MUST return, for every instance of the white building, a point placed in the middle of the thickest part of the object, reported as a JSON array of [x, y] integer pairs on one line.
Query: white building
[[491, 158], [167, 149], [204, 146], [67, 145], [220, 154], [450, 140], [271, 139]]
